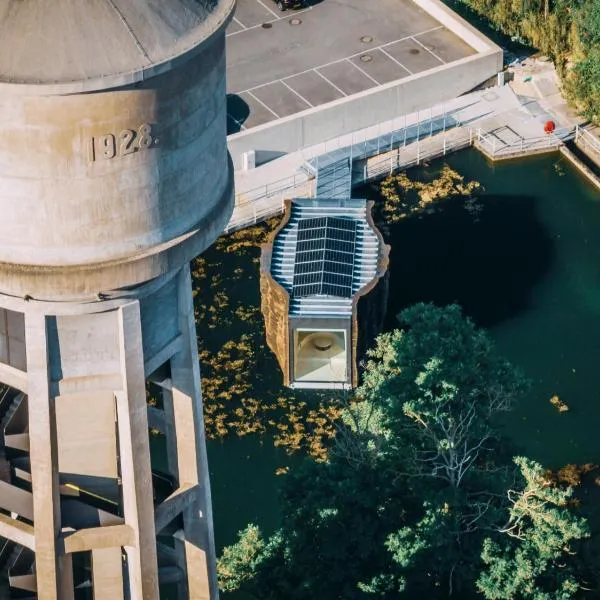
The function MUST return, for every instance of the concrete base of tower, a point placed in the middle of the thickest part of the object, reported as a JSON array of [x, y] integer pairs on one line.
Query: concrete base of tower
[[76, 432]]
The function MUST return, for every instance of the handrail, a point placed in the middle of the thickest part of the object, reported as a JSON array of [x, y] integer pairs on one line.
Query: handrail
[[248, 210], [588, 138]]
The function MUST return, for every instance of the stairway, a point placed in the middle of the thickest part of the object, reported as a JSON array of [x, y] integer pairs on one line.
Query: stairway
[[335, 180], [11, 410]]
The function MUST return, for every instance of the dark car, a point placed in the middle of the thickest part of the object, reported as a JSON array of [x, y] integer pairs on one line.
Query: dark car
[[285, 4]]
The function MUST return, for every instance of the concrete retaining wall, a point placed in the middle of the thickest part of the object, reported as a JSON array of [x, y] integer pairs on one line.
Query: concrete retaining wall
[[457, 25], [384, 103], [319, 124]]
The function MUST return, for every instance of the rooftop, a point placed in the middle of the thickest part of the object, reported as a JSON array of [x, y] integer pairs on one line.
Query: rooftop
[[324, 255], [74, 46], [306, 58]]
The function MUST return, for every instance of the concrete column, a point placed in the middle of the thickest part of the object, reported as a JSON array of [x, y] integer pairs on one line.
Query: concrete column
[[107, 573], [169, 432], [197, 541], [53, 572], [134, 452]]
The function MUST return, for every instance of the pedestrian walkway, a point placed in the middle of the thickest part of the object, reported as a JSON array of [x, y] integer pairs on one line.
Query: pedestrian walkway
[[498, 121]]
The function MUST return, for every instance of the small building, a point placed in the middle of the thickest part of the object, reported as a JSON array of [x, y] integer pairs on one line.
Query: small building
[[323, 281]]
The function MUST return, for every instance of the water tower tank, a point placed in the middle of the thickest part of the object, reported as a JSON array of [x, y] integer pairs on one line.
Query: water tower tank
[[114, 174], [113, 156]]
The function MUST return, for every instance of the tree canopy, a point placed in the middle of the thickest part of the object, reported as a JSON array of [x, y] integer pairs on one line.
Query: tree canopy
[[566, 30], [419, 495]]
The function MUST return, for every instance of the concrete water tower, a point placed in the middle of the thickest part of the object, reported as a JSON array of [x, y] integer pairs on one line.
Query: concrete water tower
[[114, 174]]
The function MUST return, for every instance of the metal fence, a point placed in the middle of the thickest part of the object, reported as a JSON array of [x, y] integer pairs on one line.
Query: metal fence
[[380, 155], [494, 146], [405, 157], [266, 201], [584, 138]]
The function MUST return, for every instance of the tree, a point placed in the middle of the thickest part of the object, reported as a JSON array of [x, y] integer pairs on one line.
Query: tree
[[439, 382], [534, 557], [240, 562], [415, 481]]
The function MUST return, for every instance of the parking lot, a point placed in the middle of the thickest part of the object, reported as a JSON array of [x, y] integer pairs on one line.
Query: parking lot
[[280, 63]]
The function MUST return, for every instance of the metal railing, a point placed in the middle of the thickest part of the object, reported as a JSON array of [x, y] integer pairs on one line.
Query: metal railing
[[495, 147], [400, 149], [585, 138], [405, 157], [267, 201]]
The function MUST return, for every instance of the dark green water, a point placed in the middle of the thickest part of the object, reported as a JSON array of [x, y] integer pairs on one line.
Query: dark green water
[[244, 485], [528, 268]]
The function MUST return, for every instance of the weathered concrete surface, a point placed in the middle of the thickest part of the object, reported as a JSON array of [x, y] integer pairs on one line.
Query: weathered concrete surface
[[88, 418], [114, 173], [105, 190], [70, 47], [337, 49]]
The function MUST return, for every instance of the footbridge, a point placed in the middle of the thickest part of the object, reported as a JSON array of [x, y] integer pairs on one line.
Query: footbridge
[[495, 121]]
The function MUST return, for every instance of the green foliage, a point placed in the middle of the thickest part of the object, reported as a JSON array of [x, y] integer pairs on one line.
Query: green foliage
[[533, 557], [440, 382], [588, 24], [586, 80], [415, 482], [566, 30], [239, 562]]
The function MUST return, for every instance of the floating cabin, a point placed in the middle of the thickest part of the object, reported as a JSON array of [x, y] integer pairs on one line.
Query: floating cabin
[[323, 281]]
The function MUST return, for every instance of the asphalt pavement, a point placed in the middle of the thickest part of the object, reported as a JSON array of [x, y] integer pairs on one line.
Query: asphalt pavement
[[280, 63]]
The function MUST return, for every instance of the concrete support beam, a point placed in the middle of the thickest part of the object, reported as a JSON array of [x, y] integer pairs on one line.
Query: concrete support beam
[[182, 498], [170, 575], [27, 583], [136, 475], [107, 573], [18, 441], [111, 536], [17, 531], [53, 571], [163, 355], [16, 500], [195, 542], [14, 377]]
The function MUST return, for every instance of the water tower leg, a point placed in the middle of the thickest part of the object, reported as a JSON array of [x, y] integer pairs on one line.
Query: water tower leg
[[134, 450], [195, 542], [54, 571]]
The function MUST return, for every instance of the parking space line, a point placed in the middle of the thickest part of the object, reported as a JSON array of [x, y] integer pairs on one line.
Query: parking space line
[[426, 48], [240, 24], [295, 92], [271, 11], [363, 72], [261, 102], [395, 60], [330, 82], [296, 12], [333, 62]]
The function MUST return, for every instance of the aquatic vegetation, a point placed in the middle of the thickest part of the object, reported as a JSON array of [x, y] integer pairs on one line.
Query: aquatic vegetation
[[570, 474], [560, 405], [246, 240], [403, 197], [241, 383]]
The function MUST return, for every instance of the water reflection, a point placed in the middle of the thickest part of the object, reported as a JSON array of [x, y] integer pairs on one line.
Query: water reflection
[[488, 263]]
